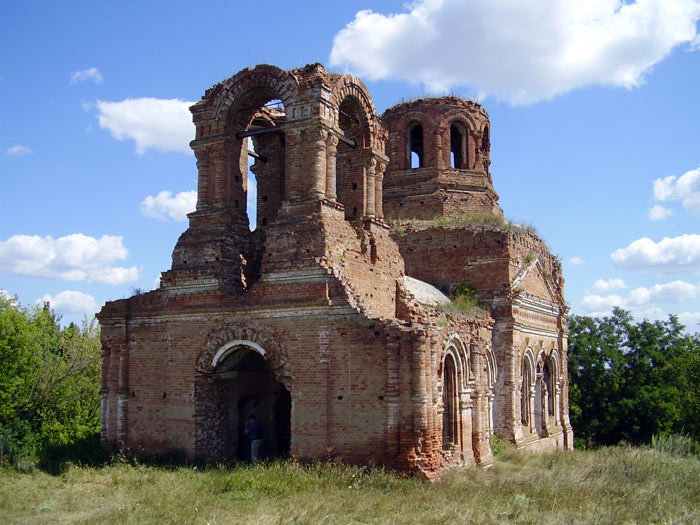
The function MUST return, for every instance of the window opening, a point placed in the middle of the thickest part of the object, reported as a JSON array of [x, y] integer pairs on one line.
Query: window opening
[[416, 146], [456, 147]]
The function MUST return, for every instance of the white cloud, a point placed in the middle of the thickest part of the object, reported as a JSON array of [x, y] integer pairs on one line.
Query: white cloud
[[673, 292], [521, 51], [659, 213], [165, 206], [670, 255], [685, 188], [576, 260], [92, 74], [19, 150], [70, 302], [642, 301], [690, 319], [161, 124], [114, 275], [74, 257], [608, 285], [595, 303]]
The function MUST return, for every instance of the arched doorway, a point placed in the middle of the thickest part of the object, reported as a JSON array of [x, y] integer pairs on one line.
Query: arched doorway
[[249, 386]]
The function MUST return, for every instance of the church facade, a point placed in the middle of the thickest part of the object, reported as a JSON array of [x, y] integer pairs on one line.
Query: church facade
[[331, 318]]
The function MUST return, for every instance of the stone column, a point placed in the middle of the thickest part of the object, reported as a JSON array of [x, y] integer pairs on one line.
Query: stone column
[[331, 151], [370, 194]]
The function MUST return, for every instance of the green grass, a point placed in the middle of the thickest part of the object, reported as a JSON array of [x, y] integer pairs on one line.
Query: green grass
[[611, 485]]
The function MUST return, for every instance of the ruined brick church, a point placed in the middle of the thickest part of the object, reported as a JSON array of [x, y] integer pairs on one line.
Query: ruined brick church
[[330, 318]]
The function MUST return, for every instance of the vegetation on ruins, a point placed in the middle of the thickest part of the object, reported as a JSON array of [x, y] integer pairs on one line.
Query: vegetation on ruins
[[466, 301], [609, 485], [633, 381], [466, 219]]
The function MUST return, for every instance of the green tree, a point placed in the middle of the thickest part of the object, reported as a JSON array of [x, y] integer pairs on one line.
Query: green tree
[[631, 381], [49, 379]]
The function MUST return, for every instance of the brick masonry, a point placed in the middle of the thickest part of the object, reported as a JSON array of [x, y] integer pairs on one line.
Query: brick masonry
[[307, 321]]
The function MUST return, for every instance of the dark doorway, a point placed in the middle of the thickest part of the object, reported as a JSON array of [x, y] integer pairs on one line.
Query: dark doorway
[[250, 387]]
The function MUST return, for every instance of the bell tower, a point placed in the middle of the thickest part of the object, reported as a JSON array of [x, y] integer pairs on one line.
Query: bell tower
[[439, 150]]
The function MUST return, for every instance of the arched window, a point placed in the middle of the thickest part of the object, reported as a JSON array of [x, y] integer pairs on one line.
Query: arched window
[[449, 403], [525, 391], [458, 147], [415, 146]]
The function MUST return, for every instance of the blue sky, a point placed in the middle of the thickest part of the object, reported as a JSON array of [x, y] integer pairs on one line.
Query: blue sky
[[594, 109]]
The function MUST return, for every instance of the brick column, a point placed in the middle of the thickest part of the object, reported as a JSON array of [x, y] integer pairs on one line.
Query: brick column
[[203, 186], [318, 168], [123, 395], [466, 406], [378, 190], [331, 151], [370, 193]]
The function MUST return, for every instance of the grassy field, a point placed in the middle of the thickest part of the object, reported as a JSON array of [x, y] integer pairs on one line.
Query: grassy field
[[612, 485]]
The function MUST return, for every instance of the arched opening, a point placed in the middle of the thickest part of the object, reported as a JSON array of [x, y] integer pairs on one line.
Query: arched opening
[[525, 391], [485, 148], [415, 146], [458, 147], [540, 393], [350, 161], [265, 154], [449, 403], [248, 386]]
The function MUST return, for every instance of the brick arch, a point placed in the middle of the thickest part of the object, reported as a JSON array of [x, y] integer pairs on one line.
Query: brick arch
[[399, 134], [458, 350], [401, 124], [455, 115], [353, 87], [272, 78], [245, 332]]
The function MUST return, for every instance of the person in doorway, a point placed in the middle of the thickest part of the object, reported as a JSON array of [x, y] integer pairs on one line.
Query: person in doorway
[[254, 431]]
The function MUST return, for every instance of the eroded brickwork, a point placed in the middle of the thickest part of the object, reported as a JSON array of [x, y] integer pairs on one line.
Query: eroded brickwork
[[308, 321]]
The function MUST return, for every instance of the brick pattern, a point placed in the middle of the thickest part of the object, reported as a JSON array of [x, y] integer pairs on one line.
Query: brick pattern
[[317, 291]]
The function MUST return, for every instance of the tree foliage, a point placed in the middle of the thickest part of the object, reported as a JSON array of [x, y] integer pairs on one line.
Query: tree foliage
[[630, 381], [49, 379]]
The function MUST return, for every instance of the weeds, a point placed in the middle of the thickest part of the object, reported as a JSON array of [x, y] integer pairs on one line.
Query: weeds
[[676, 444], [470, 218], [609, 485], [465, 301]]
